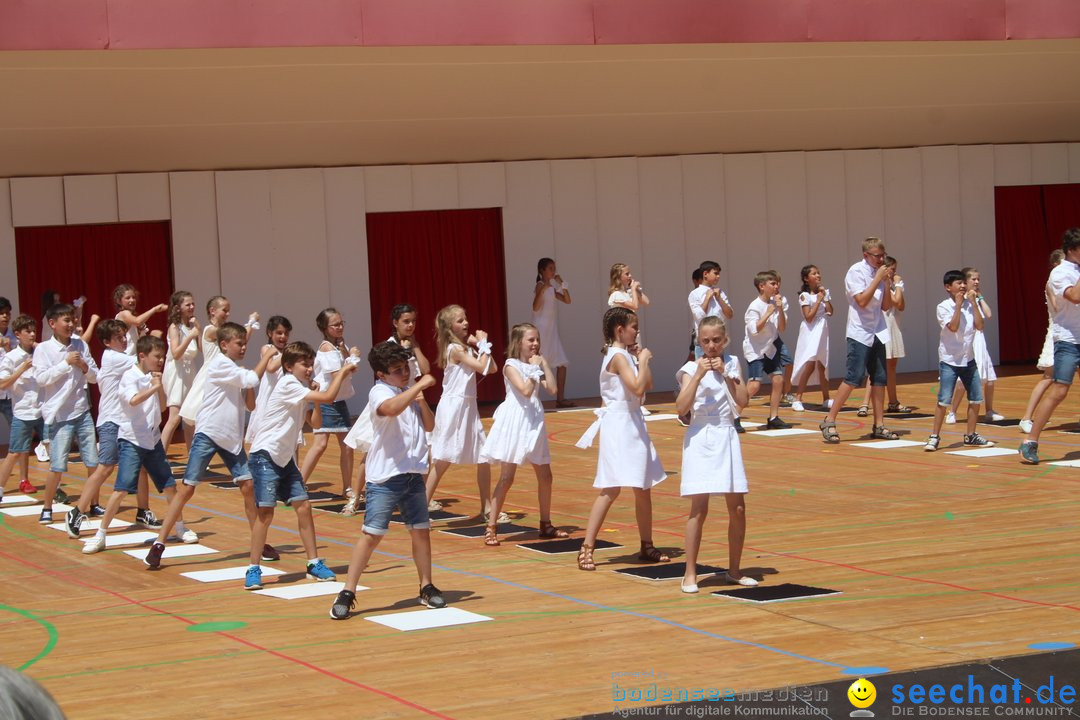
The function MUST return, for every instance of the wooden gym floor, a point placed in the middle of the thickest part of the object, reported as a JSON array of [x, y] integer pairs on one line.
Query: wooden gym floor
[[940, 559]]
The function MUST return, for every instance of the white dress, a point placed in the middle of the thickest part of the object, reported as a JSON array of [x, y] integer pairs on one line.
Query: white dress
[[546, 321], [895, 347], [619, 297], [1046, 357], [458, 436], [189, 410], [627, 456], [712, 457], [518, 432], [813, 342], [362, 433], [983, 360], [178, 376]]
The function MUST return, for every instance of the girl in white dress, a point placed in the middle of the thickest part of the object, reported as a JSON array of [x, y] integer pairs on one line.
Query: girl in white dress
[[627, 456], [549, 289], [333, 353], [518, 433], [126, 298], [180, 363], [218, 309], [894, 349], [712, 459], [1046, 357], [982, 354], [812, 348], [625, 291], [360, 437], [458, 436]]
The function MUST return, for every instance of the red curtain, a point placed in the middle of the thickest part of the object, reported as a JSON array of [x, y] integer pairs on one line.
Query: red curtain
[[91, 260], [430, 259], [1061, 205]]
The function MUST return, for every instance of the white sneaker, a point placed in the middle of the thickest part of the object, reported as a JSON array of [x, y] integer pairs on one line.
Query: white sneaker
[[42, 452], [189, 537], [1025, 426], [994, 416], [950, 418], [645, 411], [797, 406], [828, 404], [93, 545]]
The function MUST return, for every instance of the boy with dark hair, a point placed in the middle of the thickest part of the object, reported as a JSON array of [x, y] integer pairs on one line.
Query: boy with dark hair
[[19, 384]]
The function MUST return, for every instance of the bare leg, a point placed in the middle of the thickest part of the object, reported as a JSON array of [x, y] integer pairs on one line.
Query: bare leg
[[599, 511], [958, 395], [432, 482], [775, 393], [421, 552], [306, 523], [890, 380], [361, 476], [643, 512], [506, 480], [560, 384], [988, 396], [973, 417], [842, 394], [8, 465], [24, 467], [142, 490], [264, 517], [311, 459], [752, 387], [1051, 399], [170, 427], [51, 484], [543, 491], [483, 486], [1037, 393], [360, 555], [92, 488], [247, 491], [345, 461], [699, 510], [866, 395], [877, 402], [736, 532], [176, 507], [804, 377]]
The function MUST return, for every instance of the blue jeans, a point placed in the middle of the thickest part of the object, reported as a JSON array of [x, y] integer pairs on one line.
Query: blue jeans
[[203, 450], [22, 434], [132, 457], [969, 375], [405, 491], [1066, 358], [335, 417], [273, 482], [61, 435], [863, 360], [107, 449]]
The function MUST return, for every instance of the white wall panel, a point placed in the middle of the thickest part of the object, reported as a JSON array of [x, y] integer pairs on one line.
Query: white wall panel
[[942, 235], [826, 213], [1012, 165], [978, 165], [1050, 164], [789, 243], [573, 203], [196, 256], [37, 201], [388, 188], [1074, 162], [90, 199], [347, 260], [904, 241], [865, 198], [248, 247], [666, 322], [528, 235], [9, 272], [747, 232], [481, 185], [434, 187], [143, 197], [704, 225], [618, 219]]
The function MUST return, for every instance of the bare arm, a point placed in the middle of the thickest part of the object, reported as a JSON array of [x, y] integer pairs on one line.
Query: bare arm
[[398, 404], [519, 383], [331, 391], [863, 298], [180, 346], [421, 359], [132, 320], [155, 389], [640, 383], [688, 385], [954, 322], [538, 295], [976, 311], [548, 383]]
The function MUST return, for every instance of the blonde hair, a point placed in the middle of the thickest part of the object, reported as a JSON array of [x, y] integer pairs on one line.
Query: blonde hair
[[616, 275], [517, 334], [872, 243], [444, 333], [714, 321]]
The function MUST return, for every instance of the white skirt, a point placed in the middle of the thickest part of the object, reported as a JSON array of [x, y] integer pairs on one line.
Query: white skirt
[[711, 459], [1046, 357], [983, 360], [177, 379], [895, 347], [517, 435], [627, 456], [362, 433], [458, 436]]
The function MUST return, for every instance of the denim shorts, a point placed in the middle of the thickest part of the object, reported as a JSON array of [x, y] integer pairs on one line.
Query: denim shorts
[[1066, 358], [335, 417], [273, 482], [132, 457], [404, 491], [947, 377], [108, 451], [863, 360], [5, 409], [63, 432], [202, 452], [22, 434], [758, 369]]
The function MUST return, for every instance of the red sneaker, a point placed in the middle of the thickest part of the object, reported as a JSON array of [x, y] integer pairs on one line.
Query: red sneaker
[[26, 487]]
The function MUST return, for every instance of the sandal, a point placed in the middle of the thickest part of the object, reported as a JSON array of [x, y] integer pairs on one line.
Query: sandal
[[650, 553], [491, 536], [883, 433], [548, 531], [828, 431], [864, 410], [897, 408], [585, 559]]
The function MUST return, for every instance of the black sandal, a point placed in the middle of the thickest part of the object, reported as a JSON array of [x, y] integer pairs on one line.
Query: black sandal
[[650, 553], [549, 531]]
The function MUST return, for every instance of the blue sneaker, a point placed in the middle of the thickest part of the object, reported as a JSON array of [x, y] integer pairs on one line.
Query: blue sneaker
[[253, 579], [1030, 452], [317, 570]]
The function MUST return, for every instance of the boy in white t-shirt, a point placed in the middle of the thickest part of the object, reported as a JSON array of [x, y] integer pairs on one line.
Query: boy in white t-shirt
[[18, 382], [9, 342], [141, 399], [396, 465], [959, 318], [766, 318], [219, 428], [273, 451]]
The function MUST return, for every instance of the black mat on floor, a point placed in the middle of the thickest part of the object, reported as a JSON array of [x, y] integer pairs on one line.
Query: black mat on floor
[[776, 593], [1008, 422], [322, 495], [567, 545], [173, 464], [225, 485], [668, 571], [337, 508], [908, 416], [432, 514], [477, 531]]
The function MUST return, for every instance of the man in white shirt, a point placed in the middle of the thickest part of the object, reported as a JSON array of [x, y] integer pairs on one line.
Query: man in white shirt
[[866, 286], [1065, 329]]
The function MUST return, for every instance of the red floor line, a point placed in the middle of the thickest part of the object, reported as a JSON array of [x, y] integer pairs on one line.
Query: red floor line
[[310, 666]]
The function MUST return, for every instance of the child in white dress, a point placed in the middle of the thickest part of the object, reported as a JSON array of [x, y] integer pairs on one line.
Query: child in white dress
[[218, 309], [518, 433], [812, 347], [625, 291], [180, 361], [627, 456], [549, 289], [126, 298], [712, 459], [983, 360], [458, 435]]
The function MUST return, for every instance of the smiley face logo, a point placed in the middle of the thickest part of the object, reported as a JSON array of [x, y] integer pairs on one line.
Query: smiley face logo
[[862, 693]]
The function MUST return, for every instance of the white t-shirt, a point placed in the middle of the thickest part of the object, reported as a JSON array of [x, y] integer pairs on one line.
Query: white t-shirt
[[139, 424], [1066, 327], [697, 297], [24, 391], [619, 297], [281, 420], [113, 366], [955, 348], [221, 416], [400, 443], [757, 345], [62, 387], [328, 362], [865, 323]]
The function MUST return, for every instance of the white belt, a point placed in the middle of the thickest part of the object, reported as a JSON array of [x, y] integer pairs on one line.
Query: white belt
[[586, 439]]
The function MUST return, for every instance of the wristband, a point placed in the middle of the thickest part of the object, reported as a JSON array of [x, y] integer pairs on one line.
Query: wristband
[[899, 285], [483, 347], [563, 287], [828, 296], [353, 360], [252, 325]]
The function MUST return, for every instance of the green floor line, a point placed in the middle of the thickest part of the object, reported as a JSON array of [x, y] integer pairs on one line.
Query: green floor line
[[49, 627]]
